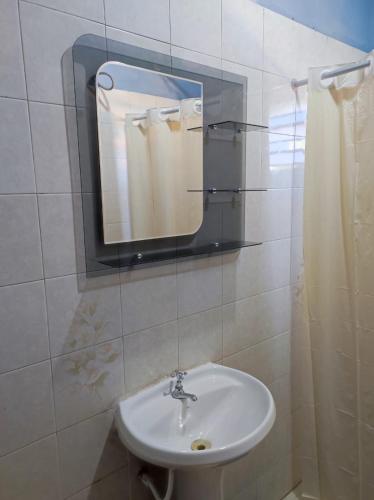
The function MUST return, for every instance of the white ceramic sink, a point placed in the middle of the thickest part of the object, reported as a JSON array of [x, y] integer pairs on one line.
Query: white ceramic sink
[[234, 412]]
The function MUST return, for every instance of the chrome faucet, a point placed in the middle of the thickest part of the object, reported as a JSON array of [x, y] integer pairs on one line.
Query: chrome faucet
[[177, 391]]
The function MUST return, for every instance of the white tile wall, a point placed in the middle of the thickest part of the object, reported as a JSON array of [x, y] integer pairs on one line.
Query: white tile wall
[[17, 169], [48, 36], [150, 355], [242, 33], [144, 17], [57, 225], [20, 248], [82, 311], [26, 411], [72, 344], [149, 297], [88, 452], [24, 331], [55, 148], [31, 473], [89, 9], [87, 382], [12, 75], [199, 285], [205, 36]]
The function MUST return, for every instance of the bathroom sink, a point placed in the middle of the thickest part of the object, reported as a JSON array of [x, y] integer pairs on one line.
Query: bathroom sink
[[233, 413]]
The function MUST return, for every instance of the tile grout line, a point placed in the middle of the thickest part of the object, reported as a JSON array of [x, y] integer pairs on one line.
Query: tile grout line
[[41, 250], [59, 11], [59, 481], [263, 341]]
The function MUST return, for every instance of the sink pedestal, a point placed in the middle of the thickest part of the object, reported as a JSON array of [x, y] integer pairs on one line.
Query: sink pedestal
[[206, 483]]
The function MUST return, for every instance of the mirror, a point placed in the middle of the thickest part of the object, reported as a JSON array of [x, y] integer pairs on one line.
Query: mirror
[[151, 162]]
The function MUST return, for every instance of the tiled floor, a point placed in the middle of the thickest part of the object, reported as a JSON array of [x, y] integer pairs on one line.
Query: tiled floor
[[294, 495]]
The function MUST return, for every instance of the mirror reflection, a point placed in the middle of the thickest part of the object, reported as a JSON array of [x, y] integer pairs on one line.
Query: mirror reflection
[[151, 162]]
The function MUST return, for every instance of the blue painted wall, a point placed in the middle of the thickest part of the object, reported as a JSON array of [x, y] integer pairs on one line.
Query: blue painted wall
[[371, 25], [350, 21]]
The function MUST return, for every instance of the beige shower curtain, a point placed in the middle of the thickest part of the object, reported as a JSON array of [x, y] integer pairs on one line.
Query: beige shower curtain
[[339, 288], [164, 162]]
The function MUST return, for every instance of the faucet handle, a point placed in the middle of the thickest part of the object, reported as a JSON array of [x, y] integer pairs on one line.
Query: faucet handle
[[179, 375]]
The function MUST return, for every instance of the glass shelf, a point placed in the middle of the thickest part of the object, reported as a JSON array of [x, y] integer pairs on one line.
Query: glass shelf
[[228, 190], [232, 125], [211, 248]]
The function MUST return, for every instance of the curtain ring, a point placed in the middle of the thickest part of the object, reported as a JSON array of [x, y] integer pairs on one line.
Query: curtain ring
[[111, 79], [197, 105]]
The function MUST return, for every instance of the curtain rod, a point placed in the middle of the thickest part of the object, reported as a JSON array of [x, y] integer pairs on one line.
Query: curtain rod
[[347, 68]]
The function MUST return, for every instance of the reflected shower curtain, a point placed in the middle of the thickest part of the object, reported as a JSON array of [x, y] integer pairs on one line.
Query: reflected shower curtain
[[164, 161], [339, 288]]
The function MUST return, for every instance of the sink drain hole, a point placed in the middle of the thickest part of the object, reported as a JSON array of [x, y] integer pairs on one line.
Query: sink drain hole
[[200, 445]]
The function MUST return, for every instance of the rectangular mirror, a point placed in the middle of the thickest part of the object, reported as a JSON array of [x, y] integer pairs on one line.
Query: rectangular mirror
[[151, 162]]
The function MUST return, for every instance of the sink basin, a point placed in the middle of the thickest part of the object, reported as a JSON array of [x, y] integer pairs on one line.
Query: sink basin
[[233, 413]]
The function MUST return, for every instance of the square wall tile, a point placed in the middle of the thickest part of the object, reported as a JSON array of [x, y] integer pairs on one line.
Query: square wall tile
[[87, 382], [200, 338], [144, 17], [199, 285], [250, 321], [12, 73], [150, 355], [116, 486], [256, 269], [281, 45], [268, 360], [253, 152], [24, 332], [254, 90], [54, 138], [26, 411], [31, 473], [242, 32], [196, 25], [253, 221], [279, 479], [275, 264], [275, 312], [241, 273], [20, 249], [276, 214], [341, 53], [48, 36], [291, 48], [195, 57], [17, 168], [89, 451], [82, 311], [240, 324], [117, 35], [278, 104], [238, 484], [89, 9], [61, 236], [149, 297], [277, 161]]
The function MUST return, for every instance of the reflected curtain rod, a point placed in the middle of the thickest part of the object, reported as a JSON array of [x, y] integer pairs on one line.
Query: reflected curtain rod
[[347, 68]]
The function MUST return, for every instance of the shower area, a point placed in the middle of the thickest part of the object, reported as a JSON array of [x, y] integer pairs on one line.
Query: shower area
[[334, 299]]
